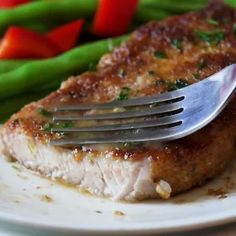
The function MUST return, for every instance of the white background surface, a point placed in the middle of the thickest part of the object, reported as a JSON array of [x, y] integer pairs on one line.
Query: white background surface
[[22, 209]]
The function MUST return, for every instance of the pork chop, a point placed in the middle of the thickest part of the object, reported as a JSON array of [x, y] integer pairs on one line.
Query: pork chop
[[158, 57]]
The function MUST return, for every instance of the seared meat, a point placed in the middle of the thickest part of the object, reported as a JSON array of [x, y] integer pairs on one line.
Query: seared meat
[[158, 57]]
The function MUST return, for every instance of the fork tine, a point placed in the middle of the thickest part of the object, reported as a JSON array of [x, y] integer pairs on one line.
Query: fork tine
[[172, 107], [190, 109], [153, 134], [168, 120], [127, 103]]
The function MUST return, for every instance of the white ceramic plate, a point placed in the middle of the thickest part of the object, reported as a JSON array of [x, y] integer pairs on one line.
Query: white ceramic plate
[[29, 203]]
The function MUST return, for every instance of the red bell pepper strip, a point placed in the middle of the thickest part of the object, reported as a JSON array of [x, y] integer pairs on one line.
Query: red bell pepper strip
[[23, 43], [12, 3], [66, 36], [113, 17]]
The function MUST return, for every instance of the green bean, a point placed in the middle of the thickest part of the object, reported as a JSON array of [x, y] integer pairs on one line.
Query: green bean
[[13, 104], [144, 15], [172, 6], [43, 12], [50, 86], [42, 15], [42, 27], [8, 65], [61, 10], [232, 3], [186, 1], [34, 74]]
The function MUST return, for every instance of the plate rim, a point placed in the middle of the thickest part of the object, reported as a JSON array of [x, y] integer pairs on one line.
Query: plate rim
[[221, 219]]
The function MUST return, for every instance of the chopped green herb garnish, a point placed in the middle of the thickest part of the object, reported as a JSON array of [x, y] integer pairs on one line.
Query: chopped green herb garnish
[[212, 22], [197, 76], [133, 145], [177, 43], [234, 28], [47, 127], [99, 212], [178, 84], [65, 124], [181, 83], [124, 94], [160, 54], [16, 168], [211, 37], [44, 112], [91, 160], [121, 73], [152, 73], [201, 64]]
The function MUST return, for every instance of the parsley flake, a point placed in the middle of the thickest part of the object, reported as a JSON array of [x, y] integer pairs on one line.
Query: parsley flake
[[44, 112], [177, 43], [197, 76], [16, 168], [178, 84], [121, 73], [211, 37], [65, 124], [152, 73], [212, 22], [124, 94], [47, 127], [201, 64], [160, 54]]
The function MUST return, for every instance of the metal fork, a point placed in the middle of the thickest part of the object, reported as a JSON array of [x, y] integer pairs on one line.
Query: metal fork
[[165, 117]]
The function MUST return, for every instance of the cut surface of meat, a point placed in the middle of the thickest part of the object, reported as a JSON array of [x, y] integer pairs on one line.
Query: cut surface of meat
[[158, 57]]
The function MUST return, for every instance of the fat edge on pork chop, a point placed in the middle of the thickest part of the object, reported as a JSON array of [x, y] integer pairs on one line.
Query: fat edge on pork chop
[[158, 57]]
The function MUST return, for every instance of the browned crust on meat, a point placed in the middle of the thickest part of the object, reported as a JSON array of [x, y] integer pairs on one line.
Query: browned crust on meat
[[184, 163]]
